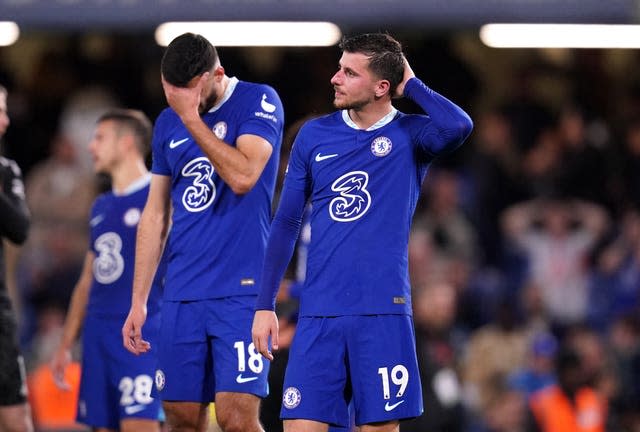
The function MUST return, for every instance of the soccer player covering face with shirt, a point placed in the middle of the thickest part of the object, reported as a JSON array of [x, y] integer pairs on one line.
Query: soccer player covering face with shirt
[[215, 156], [361, 168]]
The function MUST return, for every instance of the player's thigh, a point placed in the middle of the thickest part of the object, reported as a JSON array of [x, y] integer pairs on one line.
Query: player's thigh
[[139, 425], [184, 357], [316, 383], [383, 369], [186, 415], [237, 409], [392, 426], [238, 367]]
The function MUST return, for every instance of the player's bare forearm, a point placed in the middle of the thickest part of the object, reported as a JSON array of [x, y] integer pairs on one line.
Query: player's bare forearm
[[78, 305], [239, 166], [151, 236]]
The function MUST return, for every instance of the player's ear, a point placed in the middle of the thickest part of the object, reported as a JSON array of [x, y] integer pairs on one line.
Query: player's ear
[[127, 140], [218, 73], [382, 88]]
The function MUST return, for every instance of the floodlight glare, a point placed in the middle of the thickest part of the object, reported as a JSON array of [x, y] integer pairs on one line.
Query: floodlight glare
[[9, 32], [560, 35], [254, 33]]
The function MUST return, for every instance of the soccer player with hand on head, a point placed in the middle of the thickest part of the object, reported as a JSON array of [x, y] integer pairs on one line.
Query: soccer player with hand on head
[[361, 168], [215, 157]]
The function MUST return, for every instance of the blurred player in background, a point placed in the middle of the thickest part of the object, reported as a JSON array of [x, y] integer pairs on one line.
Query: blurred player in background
[[15, 413], [115, 388]]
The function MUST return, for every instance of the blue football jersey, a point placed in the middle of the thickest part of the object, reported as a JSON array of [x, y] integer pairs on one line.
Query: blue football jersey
[[217, 238], [114, 223], [363, 186]]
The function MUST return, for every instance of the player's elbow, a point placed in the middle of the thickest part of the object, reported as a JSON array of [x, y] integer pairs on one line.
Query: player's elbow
[[20, 232], [466, 126], [242, 185]]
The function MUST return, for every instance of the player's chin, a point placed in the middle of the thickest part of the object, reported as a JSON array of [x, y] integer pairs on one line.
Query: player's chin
[[340, 103]]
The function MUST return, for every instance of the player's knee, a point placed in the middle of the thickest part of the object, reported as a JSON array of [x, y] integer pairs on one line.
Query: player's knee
[[236, 421], [180, 419]]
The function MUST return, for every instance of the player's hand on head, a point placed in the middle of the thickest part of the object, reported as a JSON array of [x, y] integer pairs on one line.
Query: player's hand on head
[[185, 101], [265, 326], [132, 332], [59, 362], [408, 74]]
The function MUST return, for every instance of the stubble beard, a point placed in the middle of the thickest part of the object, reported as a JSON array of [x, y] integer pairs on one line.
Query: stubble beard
[[207, 103], [353, 105]]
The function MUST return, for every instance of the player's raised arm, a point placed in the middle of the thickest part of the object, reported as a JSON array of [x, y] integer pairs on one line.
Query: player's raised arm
[[451, 123], [240, 166]]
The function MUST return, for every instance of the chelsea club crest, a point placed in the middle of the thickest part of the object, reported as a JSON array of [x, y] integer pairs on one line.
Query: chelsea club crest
[[381, 146], [220, 129]]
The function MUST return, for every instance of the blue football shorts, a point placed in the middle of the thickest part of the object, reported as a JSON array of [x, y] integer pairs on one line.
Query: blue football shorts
[[206, 348], [116, 384], [370, 359]]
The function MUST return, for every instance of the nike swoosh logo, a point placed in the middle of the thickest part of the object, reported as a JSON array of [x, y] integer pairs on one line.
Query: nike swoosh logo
[[388, 407], [320, 157], [132, 409], [241, 380], [173, 144]]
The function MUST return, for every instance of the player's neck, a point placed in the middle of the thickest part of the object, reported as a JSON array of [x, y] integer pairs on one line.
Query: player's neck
[[368, 115], [224, 85], [127, 173]]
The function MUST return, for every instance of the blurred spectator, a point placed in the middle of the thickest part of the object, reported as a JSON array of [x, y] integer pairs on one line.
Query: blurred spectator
[[540, 162], [539, 371], [59, 193], [556, 237], [595, 358], [506, 411], [628, 177], [439, 348], [527, 113], [624, 337], [496, 180], [571, 405], [494, 350], [442, 235], [582, 171], [614, 283]]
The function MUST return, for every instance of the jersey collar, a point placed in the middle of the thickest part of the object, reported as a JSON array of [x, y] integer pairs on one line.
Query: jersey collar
[[377, 125], [233, 81], [135, 186]]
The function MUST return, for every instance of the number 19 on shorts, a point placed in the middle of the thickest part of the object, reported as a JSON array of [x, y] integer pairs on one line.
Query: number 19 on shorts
[[399, 376]]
